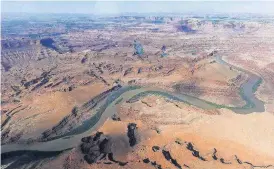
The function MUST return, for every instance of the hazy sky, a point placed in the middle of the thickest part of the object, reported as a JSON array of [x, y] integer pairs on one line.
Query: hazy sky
[[112, 7]]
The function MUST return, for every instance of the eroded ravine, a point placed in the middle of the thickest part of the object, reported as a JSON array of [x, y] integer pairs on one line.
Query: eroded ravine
[[131, 94]]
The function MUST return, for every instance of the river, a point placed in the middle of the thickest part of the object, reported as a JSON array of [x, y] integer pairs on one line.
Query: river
[[108, 108]]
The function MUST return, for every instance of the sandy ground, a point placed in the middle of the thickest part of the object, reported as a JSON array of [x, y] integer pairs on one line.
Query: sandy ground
[[223, 124], [45, 110], [211, 129]]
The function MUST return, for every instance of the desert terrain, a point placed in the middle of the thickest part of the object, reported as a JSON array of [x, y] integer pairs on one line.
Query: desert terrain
[[137, 92]]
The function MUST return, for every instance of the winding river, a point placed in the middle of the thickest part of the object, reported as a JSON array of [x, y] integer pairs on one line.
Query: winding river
[[131, 94]]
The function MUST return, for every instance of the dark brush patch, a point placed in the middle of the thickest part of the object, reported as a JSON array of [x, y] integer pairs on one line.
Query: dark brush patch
[[195, 153], [168, 157], [223, 161], [214, 154]]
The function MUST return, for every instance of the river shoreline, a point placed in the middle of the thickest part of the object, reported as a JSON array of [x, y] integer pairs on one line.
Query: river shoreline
[[247, 91]]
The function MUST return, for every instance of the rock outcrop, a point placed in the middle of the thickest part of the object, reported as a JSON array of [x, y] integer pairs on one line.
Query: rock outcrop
[[195, 153], [168, 157], [214, 154], [128, 71], [98, 147], [131, 133], [155, 148], [115, 117], [153, 163]]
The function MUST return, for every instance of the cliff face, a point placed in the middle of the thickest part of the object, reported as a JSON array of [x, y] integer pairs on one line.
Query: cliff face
[[9, 44], [17, 51]]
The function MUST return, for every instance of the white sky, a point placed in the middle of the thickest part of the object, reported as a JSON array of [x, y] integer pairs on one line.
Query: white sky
[[116, 7]]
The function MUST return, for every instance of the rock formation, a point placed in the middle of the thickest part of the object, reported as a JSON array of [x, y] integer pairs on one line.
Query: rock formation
[[98, 147], [131, 133]]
